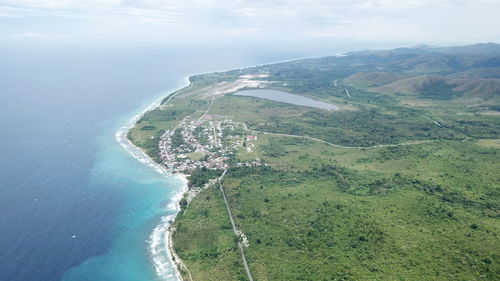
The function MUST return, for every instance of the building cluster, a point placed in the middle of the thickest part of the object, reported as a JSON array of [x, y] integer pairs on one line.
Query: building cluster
[[206, 143], [256, 162]]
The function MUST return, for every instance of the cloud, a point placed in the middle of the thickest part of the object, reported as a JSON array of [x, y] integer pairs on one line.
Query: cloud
[[38, 35], [245, 9], [30, 35], [386, 20], [369, 30], [240, 32]]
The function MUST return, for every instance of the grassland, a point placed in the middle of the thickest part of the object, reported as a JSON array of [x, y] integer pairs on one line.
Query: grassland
[[203, 232], [399, 213], [390, 187]]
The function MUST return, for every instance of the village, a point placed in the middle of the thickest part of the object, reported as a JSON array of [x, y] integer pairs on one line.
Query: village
[[204, 143]]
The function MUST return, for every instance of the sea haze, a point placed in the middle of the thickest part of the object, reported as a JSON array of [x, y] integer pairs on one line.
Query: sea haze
[[74, 204]]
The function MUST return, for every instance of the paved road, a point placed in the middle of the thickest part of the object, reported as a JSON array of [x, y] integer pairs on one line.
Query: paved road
[[240, 246]]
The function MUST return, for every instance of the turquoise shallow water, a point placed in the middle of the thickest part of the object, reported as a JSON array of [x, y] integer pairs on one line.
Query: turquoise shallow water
[[74, 204], [146, 196]]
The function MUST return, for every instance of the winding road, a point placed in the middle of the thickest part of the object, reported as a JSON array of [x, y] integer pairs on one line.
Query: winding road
[[332, 144]]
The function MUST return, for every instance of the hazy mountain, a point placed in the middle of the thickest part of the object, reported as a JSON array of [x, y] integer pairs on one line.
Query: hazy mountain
[[368, 79], [476, 49], [482, 72], [430, 72], [482, 88], [414, 85]]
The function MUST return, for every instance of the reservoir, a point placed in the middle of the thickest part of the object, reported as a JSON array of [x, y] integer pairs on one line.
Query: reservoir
[[285, 97]]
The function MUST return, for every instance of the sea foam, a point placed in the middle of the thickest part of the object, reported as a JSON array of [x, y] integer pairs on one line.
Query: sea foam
[[158, 242]]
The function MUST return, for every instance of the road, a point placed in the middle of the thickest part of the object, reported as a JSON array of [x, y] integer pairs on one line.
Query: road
[[209, 107], [240, 246], [332, 144]]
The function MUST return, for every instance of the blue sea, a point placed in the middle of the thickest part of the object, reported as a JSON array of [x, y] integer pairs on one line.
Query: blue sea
[[75, 204]]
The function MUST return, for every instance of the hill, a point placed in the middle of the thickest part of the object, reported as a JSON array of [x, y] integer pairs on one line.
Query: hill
[[442, 60], [482, 72], [480, 88], [368, 79], [422, 84], [435, 73]]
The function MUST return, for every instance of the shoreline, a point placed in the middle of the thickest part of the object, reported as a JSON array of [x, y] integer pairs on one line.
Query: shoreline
[[161, 242], [161, 245]]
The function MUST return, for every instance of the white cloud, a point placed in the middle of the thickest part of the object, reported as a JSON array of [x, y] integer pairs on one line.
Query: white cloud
[[30, 35], [240, 32], [38, 35], [356, 19]]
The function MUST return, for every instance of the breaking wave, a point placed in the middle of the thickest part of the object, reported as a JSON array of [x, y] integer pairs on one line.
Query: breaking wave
[[158, 242]]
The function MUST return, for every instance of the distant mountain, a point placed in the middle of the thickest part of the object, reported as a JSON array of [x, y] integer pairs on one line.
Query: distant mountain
[[426, 59], [476, 49], [432, 63], [481, 88], [367, 79], [429, 72], [482, 72], [442, 87], [414, 85]]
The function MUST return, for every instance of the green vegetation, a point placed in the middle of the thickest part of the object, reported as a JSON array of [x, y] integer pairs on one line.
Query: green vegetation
[[177, 138], [383, 218], [205, 241], [200, 177], [195, 155], [402, 183]]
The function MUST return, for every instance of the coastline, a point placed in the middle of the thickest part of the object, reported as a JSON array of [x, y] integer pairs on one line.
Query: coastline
[[161, 249], [166, 234]]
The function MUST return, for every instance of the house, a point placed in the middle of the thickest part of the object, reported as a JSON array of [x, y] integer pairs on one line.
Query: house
[[251, 138]]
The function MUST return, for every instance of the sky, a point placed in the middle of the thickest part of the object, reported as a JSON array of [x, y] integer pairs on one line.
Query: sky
[[434, 22]]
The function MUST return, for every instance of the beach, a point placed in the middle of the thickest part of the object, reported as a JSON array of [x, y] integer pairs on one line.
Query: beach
[[162, 254], [77, 205]]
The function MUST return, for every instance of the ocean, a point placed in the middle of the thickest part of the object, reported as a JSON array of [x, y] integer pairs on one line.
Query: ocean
[[75, 204]]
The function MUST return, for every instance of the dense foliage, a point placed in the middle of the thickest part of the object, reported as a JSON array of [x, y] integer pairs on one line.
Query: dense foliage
[[201, 176]]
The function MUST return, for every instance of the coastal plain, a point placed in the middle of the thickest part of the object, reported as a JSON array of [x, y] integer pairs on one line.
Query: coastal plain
[[398, 181]]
